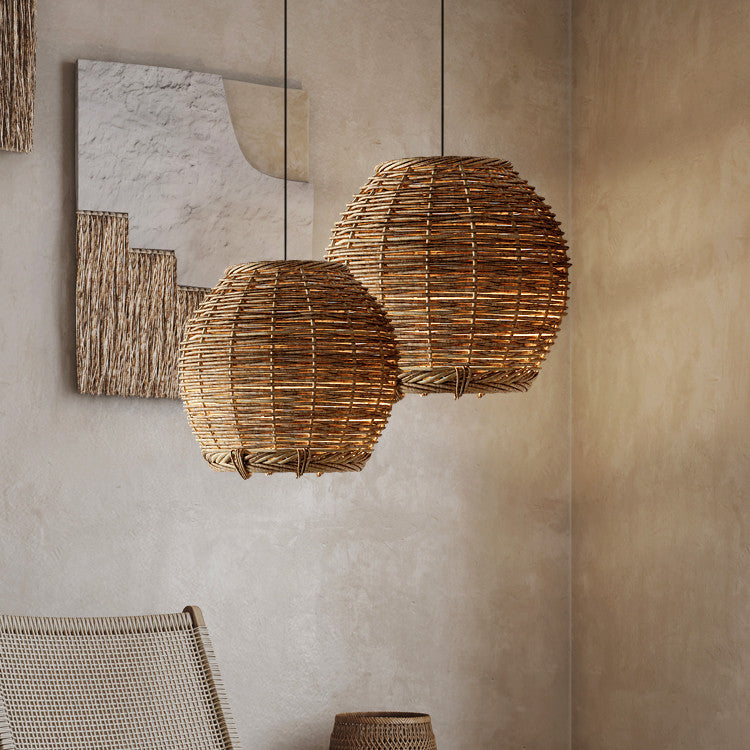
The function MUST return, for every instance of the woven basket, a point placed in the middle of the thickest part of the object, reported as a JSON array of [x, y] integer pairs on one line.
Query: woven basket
[[469, 264], [388, 730], [288, 367]]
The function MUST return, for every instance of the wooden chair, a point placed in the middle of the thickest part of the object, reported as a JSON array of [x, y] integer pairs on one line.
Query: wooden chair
[[121, 683]]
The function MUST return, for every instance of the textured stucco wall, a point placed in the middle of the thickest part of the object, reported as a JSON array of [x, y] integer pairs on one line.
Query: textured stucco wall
[[661, 468], [436, 579]]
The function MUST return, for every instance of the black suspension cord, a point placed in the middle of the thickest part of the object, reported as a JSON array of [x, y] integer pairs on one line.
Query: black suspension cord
[[442, 77], [286, 83]]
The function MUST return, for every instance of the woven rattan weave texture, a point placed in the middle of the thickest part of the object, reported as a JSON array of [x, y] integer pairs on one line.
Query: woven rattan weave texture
[[17, 74], [469, 264], [121, 683], [388, 730], [288, 366]]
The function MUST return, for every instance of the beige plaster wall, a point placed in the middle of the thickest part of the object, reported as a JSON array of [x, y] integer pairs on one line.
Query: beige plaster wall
[[438, 578], [661, 464]]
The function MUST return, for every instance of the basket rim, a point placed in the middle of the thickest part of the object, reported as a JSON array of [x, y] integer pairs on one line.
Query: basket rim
[[383, 717], [275, 265], [444, 161], [277, 460]]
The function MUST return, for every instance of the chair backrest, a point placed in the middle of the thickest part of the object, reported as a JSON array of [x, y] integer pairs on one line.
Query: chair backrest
[[146, 682]]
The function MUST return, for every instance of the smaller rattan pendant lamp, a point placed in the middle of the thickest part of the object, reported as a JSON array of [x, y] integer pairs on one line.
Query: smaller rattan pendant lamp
[[468, 262], [288, 366]]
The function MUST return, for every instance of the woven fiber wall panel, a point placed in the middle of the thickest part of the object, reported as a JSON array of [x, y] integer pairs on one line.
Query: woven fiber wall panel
[[130, 312], [17, 73]]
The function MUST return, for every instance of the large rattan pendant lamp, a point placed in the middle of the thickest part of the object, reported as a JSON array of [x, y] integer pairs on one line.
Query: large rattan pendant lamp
[[288, 366], [468, 262]]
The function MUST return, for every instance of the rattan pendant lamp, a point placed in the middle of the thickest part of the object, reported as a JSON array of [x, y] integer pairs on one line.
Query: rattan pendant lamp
[[288, 366], [468, 262]]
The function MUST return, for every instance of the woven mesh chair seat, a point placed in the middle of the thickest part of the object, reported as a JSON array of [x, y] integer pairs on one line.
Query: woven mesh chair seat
[[122, 682]]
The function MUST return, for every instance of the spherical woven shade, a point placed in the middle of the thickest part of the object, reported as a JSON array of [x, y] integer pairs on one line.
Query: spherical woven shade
[[288, 366], [388, 730], [468, 262]]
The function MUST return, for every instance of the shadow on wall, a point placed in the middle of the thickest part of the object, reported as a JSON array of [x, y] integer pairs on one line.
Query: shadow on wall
[[66, 236], [309, 737], [642, 110], [669, 244]]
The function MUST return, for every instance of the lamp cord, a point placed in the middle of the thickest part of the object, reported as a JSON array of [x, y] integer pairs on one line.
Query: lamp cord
[[442, 77], [286, 84]]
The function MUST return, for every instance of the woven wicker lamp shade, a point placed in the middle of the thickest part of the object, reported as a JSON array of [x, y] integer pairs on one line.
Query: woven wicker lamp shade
[[387, 730], [468, 262], [288, 366]]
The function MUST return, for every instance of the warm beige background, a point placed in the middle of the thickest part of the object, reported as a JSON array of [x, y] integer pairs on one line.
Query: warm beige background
[[661, 397], [438, 578]]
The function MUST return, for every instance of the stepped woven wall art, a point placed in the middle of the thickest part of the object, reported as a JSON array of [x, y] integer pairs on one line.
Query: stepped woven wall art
[[17, 73], [130, 311], [167, 161]]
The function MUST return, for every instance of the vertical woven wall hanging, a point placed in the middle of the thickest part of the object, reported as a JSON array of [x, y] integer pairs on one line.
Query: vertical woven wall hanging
[[288, 366], [468, 262], [17, 74]]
